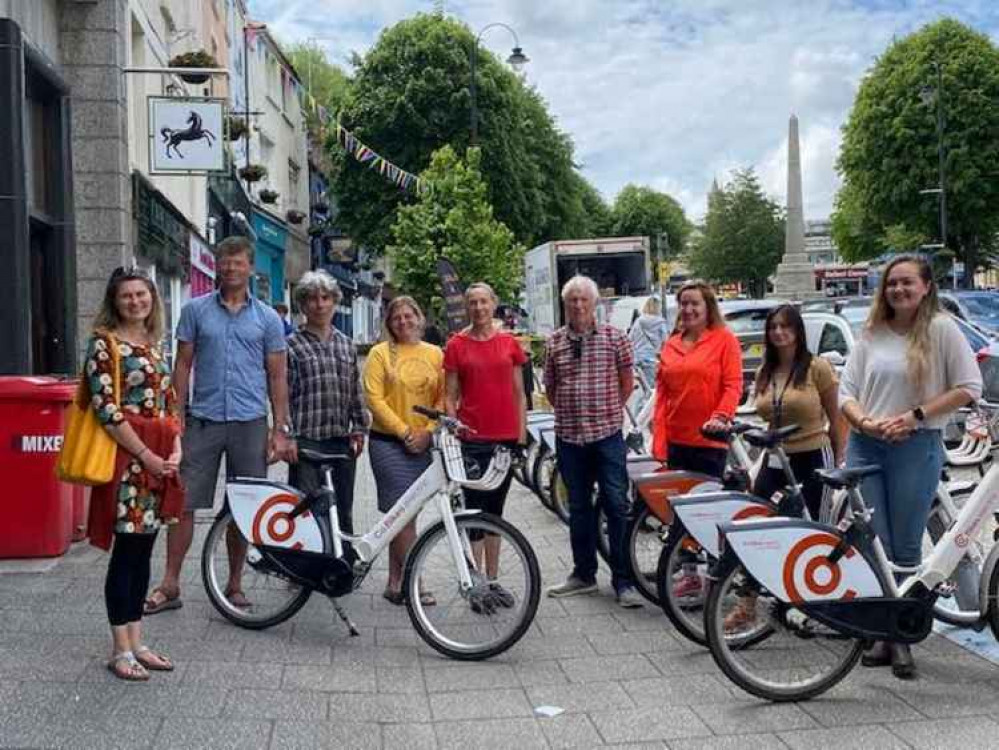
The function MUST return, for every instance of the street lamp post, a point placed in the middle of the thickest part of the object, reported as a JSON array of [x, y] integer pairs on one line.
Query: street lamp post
[[516, 60], [937, 95]]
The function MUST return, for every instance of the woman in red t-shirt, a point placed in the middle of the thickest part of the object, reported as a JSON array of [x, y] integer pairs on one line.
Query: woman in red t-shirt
[[484, 388]]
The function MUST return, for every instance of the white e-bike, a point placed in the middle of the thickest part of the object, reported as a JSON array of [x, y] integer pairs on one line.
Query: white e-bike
[[296, 547]]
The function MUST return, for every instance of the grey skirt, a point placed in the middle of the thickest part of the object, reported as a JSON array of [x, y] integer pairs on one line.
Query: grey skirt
[[395, 469]]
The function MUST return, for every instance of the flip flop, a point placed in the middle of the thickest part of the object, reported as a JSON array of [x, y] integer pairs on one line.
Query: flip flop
[[157, 663], [126, 667], [152, 606], [395, 597], [237, 598]]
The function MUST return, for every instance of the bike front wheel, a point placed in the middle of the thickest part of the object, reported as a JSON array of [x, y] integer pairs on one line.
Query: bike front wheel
[[264, 597], [682, 583], [798, 659], [491, 616], [645, 543]]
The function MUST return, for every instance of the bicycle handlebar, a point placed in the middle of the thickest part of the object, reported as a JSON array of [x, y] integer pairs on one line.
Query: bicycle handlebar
[[447, 422]]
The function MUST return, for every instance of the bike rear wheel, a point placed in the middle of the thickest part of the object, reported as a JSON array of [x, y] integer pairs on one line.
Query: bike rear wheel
[[270, 597], [543, 469], [797, 660], [644, 546], [481, 622], [559, 495]]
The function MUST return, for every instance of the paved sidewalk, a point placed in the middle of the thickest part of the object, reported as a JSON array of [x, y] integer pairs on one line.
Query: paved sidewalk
[[621, 677]]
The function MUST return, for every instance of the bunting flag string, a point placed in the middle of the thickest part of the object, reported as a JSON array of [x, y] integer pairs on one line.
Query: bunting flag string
[[365, 155]]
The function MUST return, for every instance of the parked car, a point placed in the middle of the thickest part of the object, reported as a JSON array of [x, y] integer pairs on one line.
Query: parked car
[[978, 307], [747, 320]]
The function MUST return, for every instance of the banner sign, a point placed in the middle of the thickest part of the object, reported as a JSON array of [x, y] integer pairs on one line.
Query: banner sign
[[454, 296], [400, 177], [185, 135]]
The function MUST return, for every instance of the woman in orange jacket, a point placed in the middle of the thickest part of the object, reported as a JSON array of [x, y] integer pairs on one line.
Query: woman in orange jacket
[[698, 384], [697, 387]]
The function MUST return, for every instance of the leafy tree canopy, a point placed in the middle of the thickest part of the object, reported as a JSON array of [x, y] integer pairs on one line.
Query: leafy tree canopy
[[743, 236], [453, 219], [409, 96], [644, 211], [889, 151], [325, 81]]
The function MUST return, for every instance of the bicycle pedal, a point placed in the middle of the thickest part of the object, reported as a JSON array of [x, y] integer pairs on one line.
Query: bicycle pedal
[[946, 589]]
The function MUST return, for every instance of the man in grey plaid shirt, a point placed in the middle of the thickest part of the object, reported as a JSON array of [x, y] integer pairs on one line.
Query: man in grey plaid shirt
[[324, 393]]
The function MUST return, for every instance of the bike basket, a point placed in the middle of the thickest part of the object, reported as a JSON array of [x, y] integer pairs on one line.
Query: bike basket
[[454, 466]]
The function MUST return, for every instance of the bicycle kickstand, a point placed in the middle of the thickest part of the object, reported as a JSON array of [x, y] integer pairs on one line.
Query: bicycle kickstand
[[342, 614]]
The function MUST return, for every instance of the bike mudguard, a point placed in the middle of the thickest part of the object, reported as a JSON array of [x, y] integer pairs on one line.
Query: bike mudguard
[[701, 514], [789, 557], [657, 488], [261, 507]]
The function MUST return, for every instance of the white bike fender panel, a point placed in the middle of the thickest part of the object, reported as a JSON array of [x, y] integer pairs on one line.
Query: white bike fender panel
[[261, 510], [790, 558], [701, 514]]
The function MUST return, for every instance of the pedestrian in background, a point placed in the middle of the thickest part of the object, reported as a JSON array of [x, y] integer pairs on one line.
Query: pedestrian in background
[[698, 386], [484, 389], [647, 334], [124, 354], [324, 394], [588, 378], [401, 372], [283, 312], [236, 349], [911, 369]]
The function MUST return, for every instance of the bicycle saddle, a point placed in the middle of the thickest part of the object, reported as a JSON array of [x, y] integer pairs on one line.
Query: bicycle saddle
[[770, 438], [317, 457], [843, 479]]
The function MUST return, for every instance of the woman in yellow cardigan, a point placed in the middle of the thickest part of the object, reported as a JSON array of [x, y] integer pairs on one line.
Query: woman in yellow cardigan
[[402, 371]]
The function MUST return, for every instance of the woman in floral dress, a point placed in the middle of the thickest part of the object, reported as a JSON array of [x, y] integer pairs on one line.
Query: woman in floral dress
[[131, 394]]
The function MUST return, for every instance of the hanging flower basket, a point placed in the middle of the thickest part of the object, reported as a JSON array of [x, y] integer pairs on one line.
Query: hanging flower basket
[[198, 59], [268, 196], [253, 172], [295, 217], [236, 127]]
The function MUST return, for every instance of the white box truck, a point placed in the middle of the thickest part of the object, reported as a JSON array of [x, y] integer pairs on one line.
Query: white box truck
[[619, 265]]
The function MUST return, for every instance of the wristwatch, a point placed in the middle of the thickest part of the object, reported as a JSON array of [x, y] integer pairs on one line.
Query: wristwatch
[[919, 414], [286, 429]]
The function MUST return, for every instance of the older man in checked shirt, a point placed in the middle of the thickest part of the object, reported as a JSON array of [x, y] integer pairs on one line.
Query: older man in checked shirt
[[324, 394], [588, 378]]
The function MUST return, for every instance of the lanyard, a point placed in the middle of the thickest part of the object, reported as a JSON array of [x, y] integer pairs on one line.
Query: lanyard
[[777, 402]]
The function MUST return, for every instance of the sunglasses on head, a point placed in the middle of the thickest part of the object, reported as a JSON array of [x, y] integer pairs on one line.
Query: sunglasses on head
[[123, 273]]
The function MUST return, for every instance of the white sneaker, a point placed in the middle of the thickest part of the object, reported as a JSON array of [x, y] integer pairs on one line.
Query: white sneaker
[[629, 598]]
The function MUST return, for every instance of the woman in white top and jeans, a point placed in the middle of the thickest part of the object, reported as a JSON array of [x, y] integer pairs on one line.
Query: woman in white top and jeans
[[910, 370]]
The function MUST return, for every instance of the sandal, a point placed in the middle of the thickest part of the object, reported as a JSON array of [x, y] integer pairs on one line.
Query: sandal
[[126, 667], [237, 598], [160, 601], [152, 660], [394, 597]]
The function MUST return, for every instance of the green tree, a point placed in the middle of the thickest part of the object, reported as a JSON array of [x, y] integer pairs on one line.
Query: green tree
[[325, 81], [856, 235], [453, 219], [409, 95], [889, 151], [743, 235], [658, 216]]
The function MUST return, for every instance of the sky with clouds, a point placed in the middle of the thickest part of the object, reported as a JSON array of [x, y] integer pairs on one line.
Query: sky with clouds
[[671, 93]]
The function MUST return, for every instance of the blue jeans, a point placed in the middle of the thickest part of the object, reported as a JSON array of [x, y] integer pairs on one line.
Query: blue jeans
[[901, 495], [602, 462]]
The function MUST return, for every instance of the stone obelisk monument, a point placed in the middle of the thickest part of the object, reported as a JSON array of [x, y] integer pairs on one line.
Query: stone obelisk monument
[[794, 278]]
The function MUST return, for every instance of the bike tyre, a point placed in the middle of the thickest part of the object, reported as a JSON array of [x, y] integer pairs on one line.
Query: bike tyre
[[714, 625], [215, 588], [541, 477], [690, 628], [559, 496], [648, 589], [416, 556]]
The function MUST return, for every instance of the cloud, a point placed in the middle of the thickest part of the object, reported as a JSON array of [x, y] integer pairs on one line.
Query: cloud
[[672, 93]]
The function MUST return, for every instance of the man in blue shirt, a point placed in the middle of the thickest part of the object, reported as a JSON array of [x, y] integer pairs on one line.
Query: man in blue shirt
[[235, 346]]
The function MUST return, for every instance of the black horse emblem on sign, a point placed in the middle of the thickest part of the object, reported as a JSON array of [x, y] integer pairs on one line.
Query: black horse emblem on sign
[[172, 138]]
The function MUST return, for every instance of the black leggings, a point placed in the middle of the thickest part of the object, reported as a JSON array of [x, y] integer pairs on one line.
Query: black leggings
[[803, 465], [128, 577], [710, 461], [488, 501]]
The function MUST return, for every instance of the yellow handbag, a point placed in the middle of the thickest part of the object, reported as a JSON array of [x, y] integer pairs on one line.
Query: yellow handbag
[[88, 452]]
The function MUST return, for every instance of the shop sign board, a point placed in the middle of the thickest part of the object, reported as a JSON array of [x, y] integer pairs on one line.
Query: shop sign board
[[186, 135]]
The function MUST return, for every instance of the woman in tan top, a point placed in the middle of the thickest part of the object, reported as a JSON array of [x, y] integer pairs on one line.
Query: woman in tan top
[[793, 387]]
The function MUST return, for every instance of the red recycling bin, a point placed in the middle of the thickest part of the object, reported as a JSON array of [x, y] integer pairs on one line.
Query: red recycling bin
[[36, 509]]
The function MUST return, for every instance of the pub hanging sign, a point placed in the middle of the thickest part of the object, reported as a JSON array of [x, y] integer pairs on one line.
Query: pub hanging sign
[[186, 135]]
